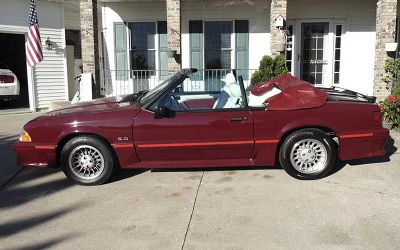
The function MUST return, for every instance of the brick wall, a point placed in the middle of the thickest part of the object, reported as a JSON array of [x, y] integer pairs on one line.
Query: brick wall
[[174, 31], [278, 7], [89, 43], [386, 14]]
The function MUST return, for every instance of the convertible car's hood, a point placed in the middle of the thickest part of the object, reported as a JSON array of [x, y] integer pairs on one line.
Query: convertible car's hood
[[103, 104]]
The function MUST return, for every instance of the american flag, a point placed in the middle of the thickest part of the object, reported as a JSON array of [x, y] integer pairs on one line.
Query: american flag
[[34, 53]]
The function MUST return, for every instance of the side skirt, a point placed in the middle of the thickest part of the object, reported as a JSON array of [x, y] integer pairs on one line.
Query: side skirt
[[193, 164]]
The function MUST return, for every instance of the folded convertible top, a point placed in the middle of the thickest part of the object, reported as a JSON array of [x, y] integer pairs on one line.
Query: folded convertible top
[[296, 93]]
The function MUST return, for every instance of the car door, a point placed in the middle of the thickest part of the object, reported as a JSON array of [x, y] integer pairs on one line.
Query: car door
[[199, 135]]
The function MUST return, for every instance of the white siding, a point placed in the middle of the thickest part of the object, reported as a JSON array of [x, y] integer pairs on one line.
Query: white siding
[[49, 77], [358, 42]]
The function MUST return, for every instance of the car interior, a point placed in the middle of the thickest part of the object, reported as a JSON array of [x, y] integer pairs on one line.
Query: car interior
[[229, 97]]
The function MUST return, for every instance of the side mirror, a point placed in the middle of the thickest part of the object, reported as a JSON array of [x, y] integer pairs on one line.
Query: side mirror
[[162, 112]]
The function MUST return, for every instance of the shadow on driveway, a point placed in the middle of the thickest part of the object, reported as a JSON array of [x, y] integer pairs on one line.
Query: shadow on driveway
[[47, 243], [17, 192], [15, 226], [8, 158]]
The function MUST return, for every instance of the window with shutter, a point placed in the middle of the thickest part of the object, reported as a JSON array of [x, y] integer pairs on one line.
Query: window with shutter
[[162, 48], [242, 47], [121, 62]]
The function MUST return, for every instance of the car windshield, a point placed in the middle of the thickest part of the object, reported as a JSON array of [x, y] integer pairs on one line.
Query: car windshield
[[154, 92]]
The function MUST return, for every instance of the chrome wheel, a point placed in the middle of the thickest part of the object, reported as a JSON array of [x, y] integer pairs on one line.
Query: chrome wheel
[[86, 162], [309, 156]]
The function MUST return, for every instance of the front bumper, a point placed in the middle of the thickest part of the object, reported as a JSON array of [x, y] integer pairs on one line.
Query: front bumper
[[35, 155]]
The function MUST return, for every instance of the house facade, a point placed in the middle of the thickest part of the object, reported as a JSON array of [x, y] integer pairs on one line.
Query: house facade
[[329, 43], [130, 45]]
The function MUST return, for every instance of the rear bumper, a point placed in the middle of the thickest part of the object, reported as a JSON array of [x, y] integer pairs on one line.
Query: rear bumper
[[35, 155], [363, 145], [380, 138], [11, 89]]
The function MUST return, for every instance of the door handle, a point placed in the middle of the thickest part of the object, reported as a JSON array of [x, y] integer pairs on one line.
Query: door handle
[[238, 119]]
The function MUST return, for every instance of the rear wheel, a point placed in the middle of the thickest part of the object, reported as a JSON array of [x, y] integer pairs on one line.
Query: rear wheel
[[308, 154], [87, 160]]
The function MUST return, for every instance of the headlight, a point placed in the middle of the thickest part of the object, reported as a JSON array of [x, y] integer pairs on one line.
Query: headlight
[[25, 137]]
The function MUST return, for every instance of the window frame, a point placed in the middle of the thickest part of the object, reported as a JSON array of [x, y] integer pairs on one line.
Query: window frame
[[232, 49], [334, 72], [156, 44]]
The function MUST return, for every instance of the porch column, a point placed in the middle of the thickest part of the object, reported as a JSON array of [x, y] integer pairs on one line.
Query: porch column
[[89, 40], [174, 33], [386, 13], [278, 7]]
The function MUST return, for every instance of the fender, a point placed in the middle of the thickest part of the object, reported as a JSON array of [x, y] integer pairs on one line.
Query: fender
[[83, 130], [306, 123], [124, 151]]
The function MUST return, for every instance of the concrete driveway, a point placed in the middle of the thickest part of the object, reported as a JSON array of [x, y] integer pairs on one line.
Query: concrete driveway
[[358, 207]]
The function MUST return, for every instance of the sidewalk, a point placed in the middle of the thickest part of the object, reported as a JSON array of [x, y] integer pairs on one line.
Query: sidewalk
[[10, 127]]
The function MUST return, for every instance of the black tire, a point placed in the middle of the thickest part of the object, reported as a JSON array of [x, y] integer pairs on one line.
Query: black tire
[[102, 153], [297, 137]]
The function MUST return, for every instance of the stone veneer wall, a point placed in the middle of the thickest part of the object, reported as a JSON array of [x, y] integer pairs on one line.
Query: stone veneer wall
[[278, 7], [386, 14], [174, 32], [89, 37]]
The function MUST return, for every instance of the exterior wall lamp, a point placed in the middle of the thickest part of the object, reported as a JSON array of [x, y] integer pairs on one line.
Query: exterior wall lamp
[[49, 44]]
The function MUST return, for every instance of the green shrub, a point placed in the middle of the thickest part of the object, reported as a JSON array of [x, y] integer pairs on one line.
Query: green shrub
[[392, 78], [269, 69]]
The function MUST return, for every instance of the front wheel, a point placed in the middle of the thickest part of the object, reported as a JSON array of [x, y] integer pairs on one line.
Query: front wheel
[[87, 161], [308, 154]]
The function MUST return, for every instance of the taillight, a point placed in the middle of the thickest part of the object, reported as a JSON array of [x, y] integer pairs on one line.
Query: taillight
[[378, 119], [6, 79]]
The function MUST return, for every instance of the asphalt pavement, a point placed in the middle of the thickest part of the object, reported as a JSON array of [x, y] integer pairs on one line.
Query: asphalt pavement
[[10, 127], [356, 207]]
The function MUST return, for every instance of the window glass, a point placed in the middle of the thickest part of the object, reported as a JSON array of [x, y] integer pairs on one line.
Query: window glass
[[218, 48], [289, 48], [338, 45], [142, 46]]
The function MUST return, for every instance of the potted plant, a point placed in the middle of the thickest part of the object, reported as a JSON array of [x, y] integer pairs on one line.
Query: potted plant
[[390, 109]]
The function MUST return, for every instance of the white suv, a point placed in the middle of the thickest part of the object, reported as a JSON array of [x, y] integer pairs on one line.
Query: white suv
[[9, 84]]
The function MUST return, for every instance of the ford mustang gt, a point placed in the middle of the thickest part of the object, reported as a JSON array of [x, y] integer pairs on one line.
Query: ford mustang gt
[[9, 84], [175, 125]]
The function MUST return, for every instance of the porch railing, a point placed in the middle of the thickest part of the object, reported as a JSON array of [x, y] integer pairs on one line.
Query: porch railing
[[122, 82]]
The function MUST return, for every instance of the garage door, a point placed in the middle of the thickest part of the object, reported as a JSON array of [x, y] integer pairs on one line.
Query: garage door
[[14, 77]]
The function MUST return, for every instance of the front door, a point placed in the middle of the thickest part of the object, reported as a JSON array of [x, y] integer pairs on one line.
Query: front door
[[314, 53], [203, 135]]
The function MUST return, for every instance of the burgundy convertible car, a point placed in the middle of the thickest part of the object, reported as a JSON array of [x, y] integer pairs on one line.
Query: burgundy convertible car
[[285, 120]]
